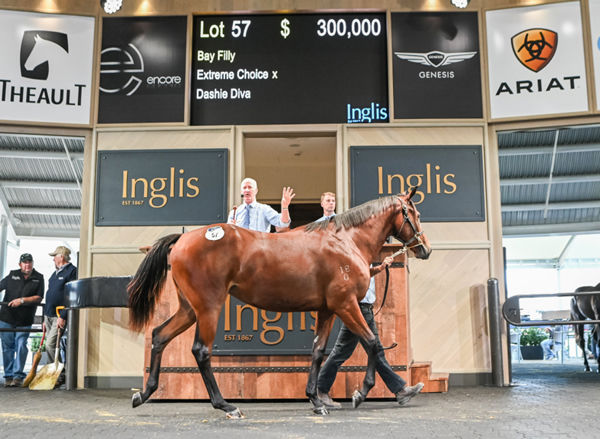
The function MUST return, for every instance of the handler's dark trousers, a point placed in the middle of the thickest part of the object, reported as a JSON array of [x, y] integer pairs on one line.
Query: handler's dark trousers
[[343, 348]]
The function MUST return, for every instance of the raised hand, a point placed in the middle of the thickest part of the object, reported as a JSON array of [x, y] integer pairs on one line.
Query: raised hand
[[286, 197]]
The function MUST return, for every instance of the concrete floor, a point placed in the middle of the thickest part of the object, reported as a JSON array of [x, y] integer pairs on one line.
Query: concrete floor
[[547, 400]]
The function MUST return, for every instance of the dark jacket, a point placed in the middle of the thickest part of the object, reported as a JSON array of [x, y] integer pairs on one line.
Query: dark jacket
[[55, 296], [17, 286]]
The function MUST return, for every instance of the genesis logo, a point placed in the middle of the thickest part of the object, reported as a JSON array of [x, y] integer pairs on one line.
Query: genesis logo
[[534, 48], [118, 68], [38, 49], [435, 58]]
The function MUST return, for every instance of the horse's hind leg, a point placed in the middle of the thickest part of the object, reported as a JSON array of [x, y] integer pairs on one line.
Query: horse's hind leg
[[161, 336], [205, 335], [324, 323]]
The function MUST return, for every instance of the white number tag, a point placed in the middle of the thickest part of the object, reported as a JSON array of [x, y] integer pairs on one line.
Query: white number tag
[[214, 233]]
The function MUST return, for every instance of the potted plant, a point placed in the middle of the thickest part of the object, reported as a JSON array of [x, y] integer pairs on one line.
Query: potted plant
[[530, 343]]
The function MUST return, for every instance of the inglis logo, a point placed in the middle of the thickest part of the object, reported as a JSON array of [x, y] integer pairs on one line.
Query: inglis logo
[[38, 48], [118, 69], [372, 113], [534, 48]]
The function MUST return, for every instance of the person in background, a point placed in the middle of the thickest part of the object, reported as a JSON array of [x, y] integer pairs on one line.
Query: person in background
[[24, 289], [547, 345], [257, 216], [346, 341], [328, 205], [55, 296]]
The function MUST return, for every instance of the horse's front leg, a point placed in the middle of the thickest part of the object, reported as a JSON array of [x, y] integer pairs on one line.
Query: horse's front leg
[[161, 336], [324, 323], [355, 321], [372, 348]]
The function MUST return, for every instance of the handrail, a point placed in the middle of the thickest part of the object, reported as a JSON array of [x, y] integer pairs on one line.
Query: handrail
[[23, 329], [511, 311]]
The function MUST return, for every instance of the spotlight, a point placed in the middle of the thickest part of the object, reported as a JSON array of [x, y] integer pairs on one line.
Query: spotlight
[[460, 3], [111, 6]]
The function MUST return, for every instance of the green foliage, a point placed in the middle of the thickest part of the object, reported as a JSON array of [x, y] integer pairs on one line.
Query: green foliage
[[533, 336], [35, 342]]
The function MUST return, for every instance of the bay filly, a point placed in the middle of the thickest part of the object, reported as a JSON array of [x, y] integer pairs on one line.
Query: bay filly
[[323, 266]]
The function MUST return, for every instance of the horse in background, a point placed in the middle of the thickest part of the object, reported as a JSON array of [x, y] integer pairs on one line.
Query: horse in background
[[587, 307], [323, 266]]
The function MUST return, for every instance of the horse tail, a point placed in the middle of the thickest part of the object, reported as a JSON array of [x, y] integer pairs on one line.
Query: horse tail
[[144, 289]]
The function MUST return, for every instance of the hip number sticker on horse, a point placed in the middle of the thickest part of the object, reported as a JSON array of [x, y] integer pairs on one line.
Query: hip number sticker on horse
[[214, 233]]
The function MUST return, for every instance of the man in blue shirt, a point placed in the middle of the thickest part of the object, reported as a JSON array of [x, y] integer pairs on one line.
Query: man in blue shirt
[[346, 341], [257, 216], [55, 296], [24, 289]]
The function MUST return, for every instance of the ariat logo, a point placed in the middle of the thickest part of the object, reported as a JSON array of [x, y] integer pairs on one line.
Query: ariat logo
[[534, 48]]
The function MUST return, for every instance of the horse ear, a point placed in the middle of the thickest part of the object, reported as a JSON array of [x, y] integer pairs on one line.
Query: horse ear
[[412, 191]]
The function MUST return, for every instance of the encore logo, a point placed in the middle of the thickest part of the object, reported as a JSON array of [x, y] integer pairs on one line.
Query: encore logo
[[534, 48]]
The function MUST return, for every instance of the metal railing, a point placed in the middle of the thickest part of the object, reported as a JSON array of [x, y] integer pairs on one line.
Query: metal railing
[[35, 327]]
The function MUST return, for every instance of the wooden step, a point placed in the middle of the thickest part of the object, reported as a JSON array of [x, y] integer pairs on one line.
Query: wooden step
[[434, 382]]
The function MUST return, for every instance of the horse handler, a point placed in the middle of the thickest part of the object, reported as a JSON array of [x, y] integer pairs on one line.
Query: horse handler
[[347, 341]]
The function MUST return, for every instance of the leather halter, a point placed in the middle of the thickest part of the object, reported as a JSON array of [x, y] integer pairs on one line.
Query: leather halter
[[416, 235], [405, 247]]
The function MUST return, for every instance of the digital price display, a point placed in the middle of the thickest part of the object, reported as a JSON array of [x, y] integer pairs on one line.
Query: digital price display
[[289, 69]]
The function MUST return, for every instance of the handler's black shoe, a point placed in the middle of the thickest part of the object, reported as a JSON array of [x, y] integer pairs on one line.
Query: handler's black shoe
[[327, 401], [405, 395]]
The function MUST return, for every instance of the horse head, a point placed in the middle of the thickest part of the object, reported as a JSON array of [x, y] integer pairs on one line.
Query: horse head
[[407, 226]]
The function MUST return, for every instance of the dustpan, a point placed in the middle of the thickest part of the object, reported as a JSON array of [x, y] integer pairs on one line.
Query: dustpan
[[48, 375]]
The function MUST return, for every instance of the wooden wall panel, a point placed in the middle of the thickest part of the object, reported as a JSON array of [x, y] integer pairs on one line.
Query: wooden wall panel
[[421, 135], [449, 310], [164, 139]]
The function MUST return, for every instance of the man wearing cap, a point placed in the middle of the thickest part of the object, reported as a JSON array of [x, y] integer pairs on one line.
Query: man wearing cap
[[55, 296], [24, 289]]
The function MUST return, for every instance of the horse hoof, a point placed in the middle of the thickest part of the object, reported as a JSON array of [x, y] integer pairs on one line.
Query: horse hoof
[[136, 400], [235, 414], [320, 410], [357, 399]]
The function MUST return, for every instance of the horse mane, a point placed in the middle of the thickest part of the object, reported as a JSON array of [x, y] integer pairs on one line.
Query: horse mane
[[355, 216]]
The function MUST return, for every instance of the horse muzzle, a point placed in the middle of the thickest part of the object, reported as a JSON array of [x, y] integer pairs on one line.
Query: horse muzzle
[[421, 251]]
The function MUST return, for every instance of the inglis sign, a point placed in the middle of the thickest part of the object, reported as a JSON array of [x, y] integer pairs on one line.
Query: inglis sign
[[161, 187], [450, 178]]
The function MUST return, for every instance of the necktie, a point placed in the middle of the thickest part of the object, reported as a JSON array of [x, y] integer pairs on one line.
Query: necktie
[[246, 224]]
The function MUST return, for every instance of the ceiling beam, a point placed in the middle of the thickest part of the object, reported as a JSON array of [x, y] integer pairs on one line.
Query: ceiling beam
[[61, 232], [551, 206], [534, 150], [44, 155], [45, 211], [551, 229], [587, 178], [22, 184]]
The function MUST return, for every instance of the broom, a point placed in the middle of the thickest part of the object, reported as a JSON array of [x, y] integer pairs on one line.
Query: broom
[[36, 360]]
